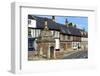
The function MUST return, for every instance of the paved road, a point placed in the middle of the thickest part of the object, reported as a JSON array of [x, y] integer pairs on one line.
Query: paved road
[[77, 55]]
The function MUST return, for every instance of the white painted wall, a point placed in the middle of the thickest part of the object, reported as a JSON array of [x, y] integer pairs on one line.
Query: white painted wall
[[84, 39], [57, 34], [57, 44], [37, 33], [32, 33], [33, 24], [52, 32]]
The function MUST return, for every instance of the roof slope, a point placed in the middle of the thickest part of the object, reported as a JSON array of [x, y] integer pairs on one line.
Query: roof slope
[[56, 26]]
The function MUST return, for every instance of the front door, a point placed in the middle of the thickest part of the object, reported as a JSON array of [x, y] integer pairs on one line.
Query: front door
[[52, 52]]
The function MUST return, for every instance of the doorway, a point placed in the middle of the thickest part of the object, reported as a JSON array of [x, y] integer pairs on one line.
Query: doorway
[[52, 52]]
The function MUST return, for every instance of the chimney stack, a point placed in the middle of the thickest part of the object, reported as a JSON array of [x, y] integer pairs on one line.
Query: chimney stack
[[53, 18], [45, 24]]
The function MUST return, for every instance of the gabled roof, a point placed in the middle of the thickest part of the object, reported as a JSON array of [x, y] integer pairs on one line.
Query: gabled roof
[[40, 23], [57, 26]]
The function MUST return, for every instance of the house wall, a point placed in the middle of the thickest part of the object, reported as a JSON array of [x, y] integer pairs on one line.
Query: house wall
[[34, 32], [66, 37], [69, 43], [66, 42], [66, 46], [57, 44], [84, 39], [77, 39], [63, 42], [37, 32], [84, 43], [32, 23], [56, 34]]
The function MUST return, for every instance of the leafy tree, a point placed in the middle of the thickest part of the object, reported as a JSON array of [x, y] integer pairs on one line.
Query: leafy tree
[[70, 24]]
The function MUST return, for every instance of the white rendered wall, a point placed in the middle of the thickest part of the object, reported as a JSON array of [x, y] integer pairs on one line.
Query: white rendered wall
[[57, 44], [57, 34], [33, 24], [84, 39]]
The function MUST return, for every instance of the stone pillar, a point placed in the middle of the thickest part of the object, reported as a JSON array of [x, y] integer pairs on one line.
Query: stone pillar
[[41, 51], [48, 52], [54, 54]]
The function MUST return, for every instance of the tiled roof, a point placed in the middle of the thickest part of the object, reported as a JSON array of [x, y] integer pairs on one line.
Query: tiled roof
[[51, 24], [70, 31], [56, 26]]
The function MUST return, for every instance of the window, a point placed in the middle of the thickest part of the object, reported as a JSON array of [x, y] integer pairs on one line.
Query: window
[[73, 44], [61, 37], [68, 37], [29, 32], [36, 34], [56, 34]]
